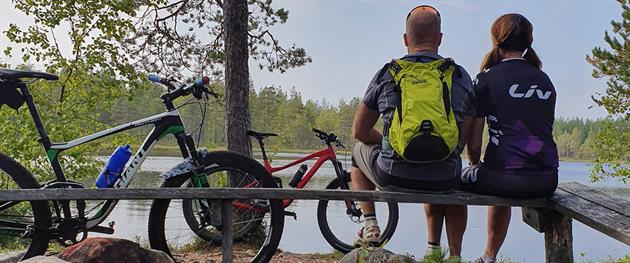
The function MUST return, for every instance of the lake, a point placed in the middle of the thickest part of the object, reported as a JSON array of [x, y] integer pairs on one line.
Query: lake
[[523, 244]]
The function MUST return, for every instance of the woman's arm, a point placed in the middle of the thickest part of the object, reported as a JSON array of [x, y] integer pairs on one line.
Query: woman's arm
[[474, 140]]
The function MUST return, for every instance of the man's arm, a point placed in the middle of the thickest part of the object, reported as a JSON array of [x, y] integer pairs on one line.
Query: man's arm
[[474, 140], [363, 127]]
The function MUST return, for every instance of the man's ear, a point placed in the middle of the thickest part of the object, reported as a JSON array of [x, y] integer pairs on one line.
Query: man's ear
[[406, 39], [439, 39]]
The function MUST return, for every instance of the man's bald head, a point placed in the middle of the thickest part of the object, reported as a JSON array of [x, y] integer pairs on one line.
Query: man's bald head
[[423, 27]]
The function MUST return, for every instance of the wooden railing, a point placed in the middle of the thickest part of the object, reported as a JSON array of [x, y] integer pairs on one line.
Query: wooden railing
[[606, 214]]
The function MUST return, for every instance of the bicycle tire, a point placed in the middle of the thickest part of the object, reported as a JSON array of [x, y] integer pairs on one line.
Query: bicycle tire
[[41, 217], [333, 239], [193, 223], [216, 161]]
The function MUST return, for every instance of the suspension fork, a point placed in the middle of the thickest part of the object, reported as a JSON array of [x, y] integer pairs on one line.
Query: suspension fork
[[342, 178], [198, 177]]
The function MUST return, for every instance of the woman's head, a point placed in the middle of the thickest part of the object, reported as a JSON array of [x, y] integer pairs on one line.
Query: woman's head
[[511, 33]]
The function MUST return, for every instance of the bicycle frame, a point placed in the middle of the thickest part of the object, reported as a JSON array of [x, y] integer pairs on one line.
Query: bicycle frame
[[166, 123], [322, 156]]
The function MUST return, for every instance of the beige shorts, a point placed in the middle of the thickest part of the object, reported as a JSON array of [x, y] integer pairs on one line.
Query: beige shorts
[[364, 156]]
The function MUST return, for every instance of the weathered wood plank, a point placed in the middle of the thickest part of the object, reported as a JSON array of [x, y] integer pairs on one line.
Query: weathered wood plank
[[619, 205], [456, 198], [558, 238], [227, 231], [593, 214], [537, 218]]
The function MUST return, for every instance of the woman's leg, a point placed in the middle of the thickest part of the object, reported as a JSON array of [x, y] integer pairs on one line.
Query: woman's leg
[[498, 223]]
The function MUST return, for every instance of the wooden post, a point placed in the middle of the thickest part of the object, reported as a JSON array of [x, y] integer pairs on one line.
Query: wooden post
[[558, 238], [227, 230]]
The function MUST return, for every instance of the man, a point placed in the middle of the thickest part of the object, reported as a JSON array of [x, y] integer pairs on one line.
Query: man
[[381, 162]]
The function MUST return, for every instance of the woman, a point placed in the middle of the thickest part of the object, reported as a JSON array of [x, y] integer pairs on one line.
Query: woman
[[517, 100]]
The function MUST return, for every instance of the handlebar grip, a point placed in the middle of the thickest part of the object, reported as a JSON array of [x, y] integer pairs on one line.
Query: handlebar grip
[[154, 78], [317, 131], [202, 82]]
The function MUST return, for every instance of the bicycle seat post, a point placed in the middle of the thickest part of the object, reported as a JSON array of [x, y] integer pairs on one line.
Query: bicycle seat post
[[262, 148]]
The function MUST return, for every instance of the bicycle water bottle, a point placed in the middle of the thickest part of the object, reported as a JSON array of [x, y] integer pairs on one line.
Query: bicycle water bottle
[[297, 177], [114, 167]]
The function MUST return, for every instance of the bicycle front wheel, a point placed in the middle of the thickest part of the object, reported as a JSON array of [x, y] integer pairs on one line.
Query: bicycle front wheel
[[187, 232], [23, 225], [340, 223]]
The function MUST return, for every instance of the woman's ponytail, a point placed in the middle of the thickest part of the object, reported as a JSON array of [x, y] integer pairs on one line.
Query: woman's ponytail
[[491, 59], [532, 58]]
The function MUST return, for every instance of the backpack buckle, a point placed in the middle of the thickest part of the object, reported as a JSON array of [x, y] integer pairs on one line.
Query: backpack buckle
[[426, 127], [448, 62]]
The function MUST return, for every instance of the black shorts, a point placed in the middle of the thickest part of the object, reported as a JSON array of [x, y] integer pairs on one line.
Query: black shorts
[[491, 182]]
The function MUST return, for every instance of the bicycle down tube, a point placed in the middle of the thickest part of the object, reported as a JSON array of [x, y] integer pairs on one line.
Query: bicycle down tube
[[165, 123]]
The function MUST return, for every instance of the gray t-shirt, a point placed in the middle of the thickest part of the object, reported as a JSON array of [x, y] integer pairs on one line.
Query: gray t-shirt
[[381, 96]]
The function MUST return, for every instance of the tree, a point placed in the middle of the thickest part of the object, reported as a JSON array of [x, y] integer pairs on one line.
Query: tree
[[201, 36], [614, 64]]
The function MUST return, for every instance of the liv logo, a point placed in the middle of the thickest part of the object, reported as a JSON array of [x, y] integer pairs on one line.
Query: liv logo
[[528, 94]]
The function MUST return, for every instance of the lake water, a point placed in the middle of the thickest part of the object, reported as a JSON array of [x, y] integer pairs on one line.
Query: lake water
[[523, 244]]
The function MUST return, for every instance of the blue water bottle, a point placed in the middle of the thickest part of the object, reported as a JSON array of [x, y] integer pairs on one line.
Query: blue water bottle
[[111, 172]]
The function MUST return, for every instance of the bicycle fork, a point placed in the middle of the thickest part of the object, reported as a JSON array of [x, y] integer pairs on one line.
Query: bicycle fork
[[343, 178]]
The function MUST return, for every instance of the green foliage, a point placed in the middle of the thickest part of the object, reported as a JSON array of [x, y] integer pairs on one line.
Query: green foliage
[[613, 63], [611, 145], [89, 96], [97, 28], [439, 256]]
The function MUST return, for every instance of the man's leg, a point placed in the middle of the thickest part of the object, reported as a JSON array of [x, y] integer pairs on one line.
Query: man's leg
[[498, 223], [361, 182], [435, 219], [362, 175], [456, 218]]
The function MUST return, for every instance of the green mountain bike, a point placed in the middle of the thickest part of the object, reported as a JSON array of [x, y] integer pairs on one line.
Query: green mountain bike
[[35, 224]]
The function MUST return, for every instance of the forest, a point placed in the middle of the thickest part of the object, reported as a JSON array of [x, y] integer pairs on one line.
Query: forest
[[287, 113]]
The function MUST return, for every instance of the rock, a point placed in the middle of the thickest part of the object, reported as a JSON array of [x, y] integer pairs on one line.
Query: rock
[[44, 259], [106, 250], [374, 255]]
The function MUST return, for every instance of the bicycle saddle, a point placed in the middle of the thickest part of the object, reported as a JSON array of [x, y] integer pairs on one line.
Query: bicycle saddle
[[12, 75], [260, 135]]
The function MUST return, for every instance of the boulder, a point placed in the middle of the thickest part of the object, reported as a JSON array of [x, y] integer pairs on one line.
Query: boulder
[[106, 250], [374, 255]]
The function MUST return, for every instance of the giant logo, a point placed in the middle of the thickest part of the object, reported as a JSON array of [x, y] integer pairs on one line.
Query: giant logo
[[529, 93]]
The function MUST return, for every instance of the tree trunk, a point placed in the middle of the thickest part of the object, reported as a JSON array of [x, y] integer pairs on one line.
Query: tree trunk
[[237, 75]]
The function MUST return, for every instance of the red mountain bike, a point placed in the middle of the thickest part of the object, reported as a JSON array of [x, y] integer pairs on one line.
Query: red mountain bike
[[339, 221]]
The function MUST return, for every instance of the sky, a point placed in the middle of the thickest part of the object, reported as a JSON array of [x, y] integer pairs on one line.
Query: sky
[[349, 40]]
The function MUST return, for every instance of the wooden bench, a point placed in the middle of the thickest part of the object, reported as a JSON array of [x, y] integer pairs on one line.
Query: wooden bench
[[606, 214]]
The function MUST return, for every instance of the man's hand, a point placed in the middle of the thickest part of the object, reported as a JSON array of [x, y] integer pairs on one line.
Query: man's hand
[[363, 126]]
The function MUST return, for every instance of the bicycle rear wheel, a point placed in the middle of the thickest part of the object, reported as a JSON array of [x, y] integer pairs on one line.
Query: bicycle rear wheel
[[23, 225], [340, 228], [181, 229]]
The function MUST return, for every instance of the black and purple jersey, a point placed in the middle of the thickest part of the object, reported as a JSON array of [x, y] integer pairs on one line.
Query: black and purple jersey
[[518, 102]]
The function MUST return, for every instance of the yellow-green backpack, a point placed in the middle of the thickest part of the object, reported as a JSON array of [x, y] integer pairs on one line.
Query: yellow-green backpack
[[423, 127]]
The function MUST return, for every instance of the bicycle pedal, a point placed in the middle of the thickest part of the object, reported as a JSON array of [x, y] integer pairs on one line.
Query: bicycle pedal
[[291, 213], [102, 230]]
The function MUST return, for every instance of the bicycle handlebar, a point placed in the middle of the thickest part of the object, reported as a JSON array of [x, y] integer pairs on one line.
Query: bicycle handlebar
[[328, 137], [197, 88]]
